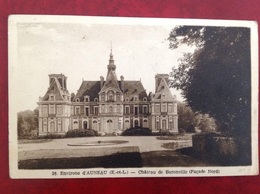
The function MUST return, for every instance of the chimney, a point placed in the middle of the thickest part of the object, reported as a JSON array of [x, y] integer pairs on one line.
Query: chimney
[[122, 83], [101, 81]]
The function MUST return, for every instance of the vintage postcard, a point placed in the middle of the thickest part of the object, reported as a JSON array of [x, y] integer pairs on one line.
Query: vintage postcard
[[96, 97]]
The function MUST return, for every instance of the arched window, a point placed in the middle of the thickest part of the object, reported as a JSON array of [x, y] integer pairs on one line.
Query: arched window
[[127, 124], [75, 124], [85, 124], [52, 126], [136, 123], [145, 99], [95, 100], [109, 121], [157, 126], [77, 100], [145, 123]]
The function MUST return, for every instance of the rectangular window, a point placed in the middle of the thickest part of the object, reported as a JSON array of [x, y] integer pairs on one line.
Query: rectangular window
[[77, 110], [157, 108], [170, 108], [127, 110], [44, 110], [136, 111], [140, 110], [96, 110], [110, 97], [52, 109], [92, 110], [145, 109], [86, 111], [103, 108], [59, 109], [164, 108]]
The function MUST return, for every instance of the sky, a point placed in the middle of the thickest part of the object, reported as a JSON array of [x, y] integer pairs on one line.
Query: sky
[[80, 51]]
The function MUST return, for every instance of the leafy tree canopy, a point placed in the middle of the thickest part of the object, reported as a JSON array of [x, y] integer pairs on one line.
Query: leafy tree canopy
[[215, 78], [188, 121], [27, 122]]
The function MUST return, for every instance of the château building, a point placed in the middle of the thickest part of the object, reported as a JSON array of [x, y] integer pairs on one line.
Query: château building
[[107, 105]]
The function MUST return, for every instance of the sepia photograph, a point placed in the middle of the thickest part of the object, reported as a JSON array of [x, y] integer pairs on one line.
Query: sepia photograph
[[96, 97]]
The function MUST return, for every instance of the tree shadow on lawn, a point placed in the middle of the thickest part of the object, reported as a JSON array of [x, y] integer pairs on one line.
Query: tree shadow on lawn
[[119, 160], [171, 158], [212, 158], [166, 158]]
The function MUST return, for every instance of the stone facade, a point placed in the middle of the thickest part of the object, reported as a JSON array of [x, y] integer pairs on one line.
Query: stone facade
[[107, 105]]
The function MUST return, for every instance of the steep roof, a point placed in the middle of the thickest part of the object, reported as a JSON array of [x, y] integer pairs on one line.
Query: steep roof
[[111, 82], [163, 89], [133, 88], [55, 89], [92, 88]]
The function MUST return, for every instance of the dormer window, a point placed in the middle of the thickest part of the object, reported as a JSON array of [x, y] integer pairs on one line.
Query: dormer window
[[110, 96], [118, 97], [77, 100], [135, 98], [95, 100], [102, 98], [127, 99], [86, 99], [51, 98], [145, 99], [163, 96]]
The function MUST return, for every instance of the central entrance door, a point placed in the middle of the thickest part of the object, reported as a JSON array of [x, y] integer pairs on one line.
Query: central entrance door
[[163, 125], [85, 125], [95, 126], [109, 126]]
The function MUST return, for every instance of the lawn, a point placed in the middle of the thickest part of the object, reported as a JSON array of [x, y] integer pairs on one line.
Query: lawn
[[149, 151]]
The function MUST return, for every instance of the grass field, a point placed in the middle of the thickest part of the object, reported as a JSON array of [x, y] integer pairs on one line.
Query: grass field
[[137, 152]]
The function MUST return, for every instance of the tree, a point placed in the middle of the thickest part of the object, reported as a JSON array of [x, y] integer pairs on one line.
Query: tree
[[185, 118], [27, 122], [215, 78], [205, 123], [188, 121]]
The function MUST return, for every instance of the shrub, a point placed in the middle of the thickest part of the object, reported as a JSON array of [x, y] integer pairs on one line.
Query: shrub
[[81, 133], [137, 131], [51, 136]]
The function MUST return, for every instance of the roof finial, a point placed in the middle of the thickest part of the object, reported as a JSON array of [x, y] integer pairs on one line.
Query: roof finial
[[111, 54], [111, 48]]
